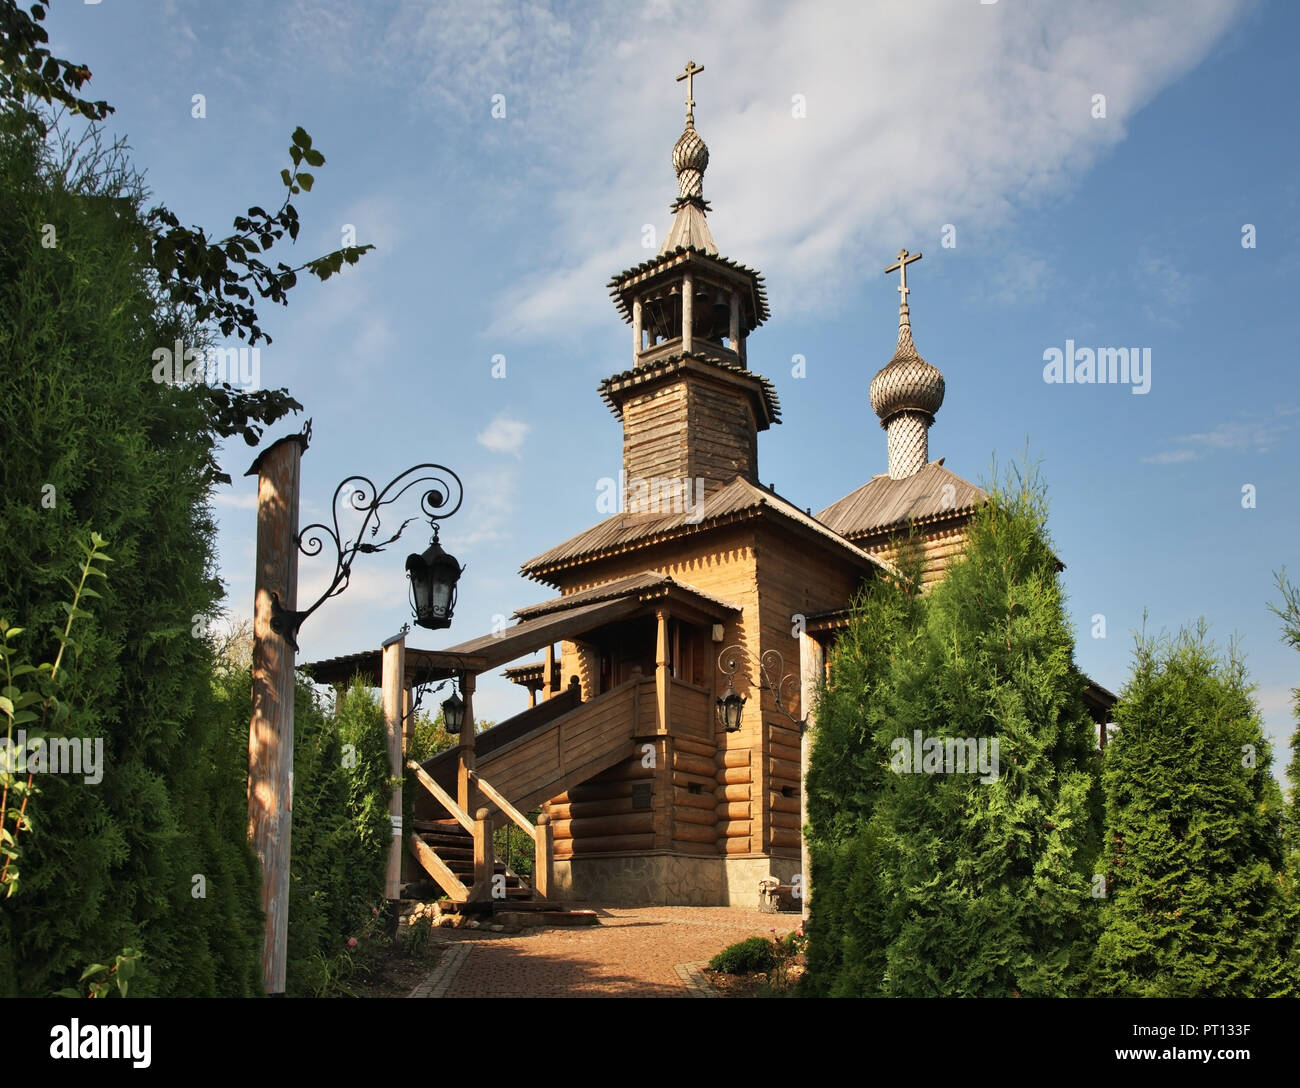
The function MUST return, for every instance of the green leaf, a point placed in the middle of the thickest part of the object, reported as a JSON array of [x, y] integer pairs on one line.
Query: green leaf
[[313, 157], [306, 181], [300, 137], [93, 969], [6, 706], [285, 177]]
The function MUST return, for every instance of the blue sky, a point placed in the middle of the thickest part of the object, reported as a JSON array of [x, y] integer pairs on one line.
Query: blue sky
[[496, 236]]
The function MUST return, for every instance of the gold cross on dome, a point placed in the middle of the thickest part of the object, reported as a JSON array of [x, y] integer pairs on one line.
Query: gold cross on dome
[[904, 259], [692, 70]]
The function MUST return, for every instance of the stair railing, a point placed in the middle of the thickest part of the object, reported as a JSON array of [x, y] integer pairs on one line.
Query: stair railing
[[541, 834]]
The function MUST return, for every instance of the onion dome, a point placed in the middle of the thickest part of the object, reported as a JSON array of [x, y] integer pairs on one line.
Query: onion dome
[[907, 381], [690, 160]]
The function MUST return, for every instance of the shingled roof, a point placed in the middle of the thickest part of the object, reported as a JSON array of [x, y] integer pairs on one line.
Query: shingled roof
[[645, 586], [884, 504], [613, 388], [738, 501]]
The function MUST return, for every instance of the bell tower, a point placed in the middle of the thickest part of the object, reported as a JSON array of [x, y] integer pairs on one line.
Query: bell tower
[[691, 409]]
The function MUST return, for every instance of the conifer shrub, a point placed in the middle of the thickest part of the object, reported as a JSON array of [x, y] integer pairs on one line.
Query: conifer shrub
[[750, 956], [1196, 901], [930, 880]]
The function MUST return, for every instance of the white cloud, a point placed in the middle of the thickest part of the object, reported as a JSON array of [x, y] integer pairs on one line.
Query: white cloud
[[1240, 436], [503, 434]]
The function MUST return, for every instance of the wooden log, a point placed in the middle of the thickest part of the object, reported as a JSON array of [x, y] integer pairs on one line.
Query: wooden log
[[686, 781], [611, 844], [779, 802], [685, 799], [735, 830], [789, 820], [694, 833], [629, 823], [578, 809], [785, 751], [697, 765], [695, 815], [731, 776], [735, 757], [734, 846], [784, 770], [734, 810], [783, 837], [734, 793], [695, 747]]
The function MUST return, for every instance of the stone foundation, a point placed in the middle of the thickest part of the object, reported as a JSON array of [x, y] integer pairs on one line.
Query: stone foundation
[[665, 879]]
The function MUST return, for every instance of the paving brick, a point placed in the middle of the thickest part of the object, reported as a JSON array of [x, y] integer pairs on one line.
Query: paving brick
[[634, 952]]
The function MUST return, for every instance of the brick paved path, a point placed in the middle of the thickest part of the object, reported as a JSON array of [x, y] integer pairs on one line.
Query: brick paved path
[[632, 953]]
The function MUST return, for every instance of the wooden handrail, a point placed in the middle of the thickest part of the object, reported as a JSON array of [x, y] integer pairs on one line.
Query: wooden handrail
[[498, 799], [443, 797]]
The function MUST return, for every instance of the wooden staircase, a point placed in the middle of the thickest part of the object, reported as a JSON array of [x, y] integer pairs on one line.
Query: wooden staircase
[[516, 765], [455, 846]]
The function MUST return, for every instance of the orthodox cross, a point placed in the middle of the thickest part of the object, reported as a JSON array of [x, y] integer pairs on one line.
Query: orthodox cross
[[904, 259], [692, 70]]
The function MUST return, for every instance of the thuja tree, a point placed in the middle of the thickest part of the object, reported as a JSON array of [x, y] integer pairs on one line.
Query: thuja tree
[[968, 878], [92, 283], [846, 775], [1195, 905]]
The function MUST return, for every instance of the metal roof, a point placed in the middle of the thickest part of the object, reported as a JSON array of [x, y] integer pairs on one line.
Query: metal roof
[[932, 494], [646, 585], [737, 501]]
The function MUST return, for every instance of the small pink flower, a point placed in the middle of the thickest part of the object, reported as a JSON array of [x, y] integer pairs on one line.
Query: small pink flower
[[352, 942], [374, 911]]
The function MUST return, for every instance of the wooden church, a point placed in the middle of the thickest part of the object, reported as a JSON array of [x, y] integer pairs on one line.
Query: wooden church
[[663, 742]]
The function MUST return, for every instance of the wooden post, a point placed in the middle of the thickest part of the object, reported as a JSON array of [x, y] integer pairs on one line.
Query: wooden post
[[465, 791], [484, 857], [688, 310], [733, 332], [549, 679], [636, 327], [408, 719], [394, 675], [661, 669], [811, 669], [543, 856], [270, 730]]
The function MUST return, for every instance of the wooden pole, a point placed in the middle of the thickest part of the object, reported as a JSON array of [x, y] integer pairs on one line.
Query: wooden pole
[[661, 668], [393, 688], [688, 311], [270, 730], [465, 791], [733, 329], [811, 667], [549, 678], [636, 327], [543, 856]]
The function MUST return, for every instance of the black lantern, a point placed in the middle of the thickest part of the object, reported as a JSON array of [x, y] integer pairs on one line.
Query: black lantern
[[433, 576], [730, 707], [453, 713]]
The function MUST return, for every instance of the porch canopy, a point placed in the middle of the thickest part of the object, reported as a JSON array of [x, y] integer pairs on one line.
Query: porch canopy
[[539, 625]]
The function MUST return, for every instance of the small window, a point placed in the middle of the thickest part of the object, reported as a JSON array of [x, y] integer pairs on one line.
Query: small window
[[641, 795], [695, 787], [790, 791]]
